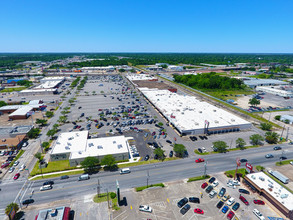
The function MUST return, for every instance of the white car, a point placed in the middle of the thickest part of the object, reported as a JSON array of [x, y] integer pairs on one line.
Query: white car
[[11, 169], [215, 183], [230, 201], [291, 162], [22, 167], [204, 149], [258, 214], [212, 194], [145, 208], [46, 187], [16, 163], [2, 153]]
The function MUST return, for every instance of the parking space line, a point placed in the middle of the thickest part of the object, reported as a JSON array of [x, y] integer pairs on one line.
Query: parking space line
[[120, 214], [131, 207], [168, 200]]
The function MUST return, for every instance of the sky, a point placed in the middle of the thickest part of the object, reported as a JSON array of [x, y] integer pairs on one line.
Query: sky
[[235, 26]]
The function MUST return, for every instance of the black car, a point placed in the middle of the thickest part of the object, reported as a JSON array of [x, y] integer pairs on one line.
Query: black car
[[201, 137], [236, 206], [222, 192], [156, 157], [194, 199], [185, 209], [243, 160], [283, 158], [147, 157], [211, 180], [244, 191], [209, 189], [171, 154], [50, 182], [64, 177], [182, 202], [79, 107], [186, 154], [168, 141], [199, 150], [28, 201], [277, 148], [220, 204], [82, 114]]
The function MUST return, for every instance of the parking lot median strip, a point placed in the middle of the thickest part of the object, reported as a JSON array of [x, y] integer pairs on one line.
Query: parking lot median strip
[[191, 179], [141, 188]]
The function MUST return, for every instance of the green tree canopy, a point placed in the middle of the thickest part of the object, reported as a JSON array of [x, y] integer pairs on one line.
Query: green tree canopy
[[42, 122], [90, 164], [256, 139], [272, 137], [49, 114], [2, 103], [38, 155], [254, 102], [278, 117], [109, 162], [220, 146], [160, 153], [179, 150], [10, 207], [266, 126], [33, 133], [240, 143], [51, 133]]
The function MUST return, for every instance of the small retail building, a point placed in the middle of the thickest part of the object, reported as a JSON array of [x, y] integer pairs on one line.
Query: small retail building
[[75, 147]]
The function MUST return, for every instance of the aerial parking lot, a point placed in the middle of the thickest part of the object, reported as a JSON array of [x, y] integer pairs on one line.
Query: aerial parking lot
[[164, 202]]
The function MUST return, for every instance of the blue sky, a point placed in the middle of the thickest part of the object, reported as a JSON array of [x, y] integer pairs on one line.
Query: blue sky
[[247, 26]]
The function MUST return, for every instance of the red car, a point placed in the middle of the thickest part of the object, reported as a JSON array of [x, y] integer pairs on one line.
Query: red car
[[198, 211], [230, 215], [258, 202], [199, 160], [16, 176], [6, 164], [244, 200], [204, 185]]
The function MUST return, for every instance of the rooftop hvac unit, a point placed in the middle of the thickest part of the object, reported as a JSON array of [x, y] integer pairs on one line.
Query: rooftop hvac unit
[[57, 142], [77, 134], [216, 121], [114, 142], [100, 147], [69, 144], [200, 112], [67, 148], [79, 152], [196, 123], [214, 110], [232, 119], [119, 146]]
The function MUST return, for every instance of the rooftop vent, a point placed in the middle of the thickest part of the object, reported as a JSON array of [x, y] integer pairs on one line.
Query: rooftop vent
[[79, 152], [69, 144], [57, 142], [216, 121], [232, 119], [67, 148], [200, 112], [100, 147], [114, 142], [214, 110], [119, 146]]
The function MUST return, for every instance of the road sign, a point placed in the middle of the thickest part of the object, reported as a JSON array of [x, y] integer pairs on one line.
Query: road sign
[[249, 167]]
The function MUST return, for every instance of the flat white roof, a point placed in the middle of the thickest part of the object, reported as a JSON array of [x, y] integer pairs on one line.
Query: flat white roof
[[37, 90], [60, 78], [48, 84], [132, 77], [77, 144], [278, 192], [22, 111], [13, 107], [188, 113]]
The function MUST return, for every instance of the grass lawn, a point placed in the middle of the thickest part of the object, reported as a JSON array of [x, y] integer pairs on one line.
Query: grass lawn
[[53, 166], [17, 157], [146, 162], [191, 179], [232, 172], [204, 153], [284, 162], [103, 198], [58, 175], [13, 89], [141, 188], [229, 94]]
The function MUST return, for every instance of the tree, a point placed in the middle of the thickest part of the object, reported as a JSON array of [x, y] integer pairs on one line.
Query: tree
[[272, 137], [160, 153], [49, 114], [278, 117], [254, 102], [51, 133], [2, 103], [266, 126], [121, 70], [62, 119], [10, 207], [45, 145], [33, 133], [90, 164], [109, 162], [42, 122], [220, 146], [38, 155], [164, 66], [55, 126], [179, 149], [240, 143], [160, 124], [256, 139]]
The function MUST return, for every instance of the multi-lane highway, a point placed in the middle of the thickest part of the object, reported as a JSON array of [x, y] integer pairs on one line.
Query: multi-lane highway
[[161, 172]]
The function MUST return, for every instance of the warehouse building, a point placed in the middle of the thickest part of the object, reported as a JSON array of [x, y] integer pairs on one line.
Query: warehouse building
[[75, 147], [252, 83], [30, 92], [191, 116], [98, 68], [284, 91], [276, 194]]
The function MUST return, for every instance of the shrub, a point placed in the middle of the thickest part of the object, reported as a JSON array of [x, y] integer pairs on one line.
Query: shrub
[[112, 195]]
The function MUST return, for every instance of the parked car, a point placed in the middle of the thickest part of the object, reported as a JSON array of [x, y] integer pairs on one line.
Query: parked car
[[11, 169], [199, 211], [214, 184], [236, 206], [147, 157], [28, 201], [22, 167], [171, 154], [243, 200], [185, 209], [145, 208], [194, 199], [230, 215], [225, 209], [16, 176], [199, 160], [258, 202], [204, 185], [222, 192], [226, 197], [6, 164], [213, 193], [182, 202], [258, 214], [230, 201], [209, 189], [211, 180], [220, 204], [244, 191]]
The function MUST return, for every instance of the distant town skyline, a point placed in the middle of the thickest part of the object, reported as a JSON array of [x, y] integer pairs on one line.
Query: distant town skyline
[[263, 26]]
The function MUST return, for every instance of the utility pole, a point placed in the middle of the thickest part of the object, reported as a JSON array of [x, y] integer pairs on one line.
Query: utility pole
[[98, 188], [205, 168], [282, 132], [287, 134], [108, 199], [148, 175]]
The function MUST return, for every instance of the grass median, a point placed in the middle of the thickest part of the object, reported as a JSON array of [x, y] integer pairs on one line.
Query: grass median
[[58, 175], [196, 178], [17, 157], [284, 162], [141, 188], [104, 198]]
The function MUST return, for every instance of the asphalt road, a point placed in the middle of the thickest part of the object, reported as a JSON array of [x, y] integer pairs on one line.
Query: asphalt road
[[161, 172]]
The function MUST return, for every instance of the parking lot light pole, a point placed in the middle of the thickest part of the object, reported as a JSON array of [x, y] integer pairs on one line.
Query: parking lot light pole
[[205, 168], [148, 175]]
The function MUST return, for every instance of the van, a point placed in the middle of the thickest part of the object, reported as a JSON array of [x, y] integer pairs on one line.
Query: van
[[83, 177], [125, 170], [46, 187]]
